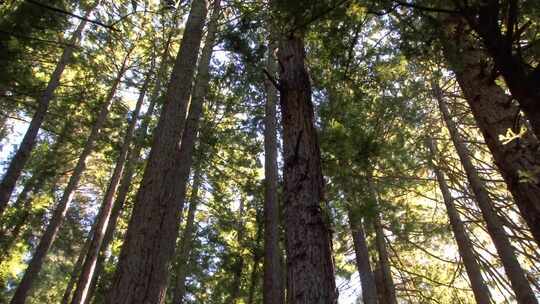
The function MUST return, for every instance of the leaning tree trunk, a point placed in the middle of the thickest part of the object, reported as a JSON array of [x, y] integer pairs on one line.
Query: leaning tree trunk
[[102, 221], [20, 158], [388, 288], [59, 213], [515, 273], [184, 250], [479, 287], [273, 291], [367, 280], [310, 268], [495, 114], [129, 172], [141, 275]]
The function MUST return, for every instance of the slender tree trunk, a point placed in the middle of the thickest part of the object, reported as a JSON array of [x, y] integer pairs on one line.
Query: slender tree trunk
[[102, 220], [254, 278], [238, 267], [29, 140], [184, 250], [495, 114], [310, 268], [388, 288], [515, 273], [59, 213], [273, 291], [129, 172], [367, 280], [141, 275], [479, 287]]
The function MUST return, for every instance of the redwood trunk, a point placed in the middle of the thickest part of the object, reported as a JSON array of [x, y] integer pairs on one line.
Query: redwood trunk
[[17, 163], [495, 114], [102, 221], [310, 269], [515, 273], [186, 242], [479, 287], [141, 275], [367, 280], [389, 290], [59, 213], [273, 291]]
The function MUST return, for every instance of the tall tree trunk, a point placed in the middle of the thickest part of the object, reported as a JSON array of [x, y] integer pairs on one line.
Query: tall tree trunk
[[47, 169], [254, 278], [238, 266], [133, 159], [367, 280], [20, 158], [310, 268], [515, 273], [495, 114], [273, 291], [522, 80], [184, 250], [141, 275], [59, 213], [388, 288], [102, 220], [479, 287]]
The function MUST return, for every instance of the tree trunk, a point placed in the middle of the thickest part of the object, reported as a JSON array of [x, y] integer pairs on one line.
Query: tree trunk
[[60, 211], [495, 114], [20, 158], [238, 267], [184, 250], [479, 287], [515, 273], [310, 269], [522, 80], [104, 215], [367, 280], [273, 291], [388, 288], [141, 275], [129, 172]]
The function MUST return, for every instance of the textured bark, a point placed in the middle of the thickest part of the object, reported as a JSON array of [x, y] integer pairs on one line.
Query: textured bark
[[273, 291], [522, 80], [495, 114], [388, 288], [367, 280], [238, 266], [141, 275], [102, 221], [28, 143], [133, 159], [513, 270], [184, 250], [479, 287], [310, 269], [59, 213]]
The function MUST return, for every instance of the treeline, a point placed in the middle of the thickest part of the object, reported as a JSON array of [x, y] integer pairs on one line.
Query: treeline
[[270, 152]]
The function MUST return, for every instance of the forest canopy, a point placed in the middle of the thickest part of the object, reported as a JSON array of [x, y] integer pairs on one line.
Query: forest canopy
[[269, 151]]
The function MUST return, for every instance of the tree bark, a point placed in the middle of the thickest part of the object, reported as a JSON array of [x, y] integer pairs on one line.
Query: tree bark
[[59, 213], [495, 114], [367, 280], [184, 250], [522, 80], [238, 266], [141, 275], [273, 291], [479, 287], [388, 288], [310, 269], [515, 273], [104, 215], [28, 143]]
